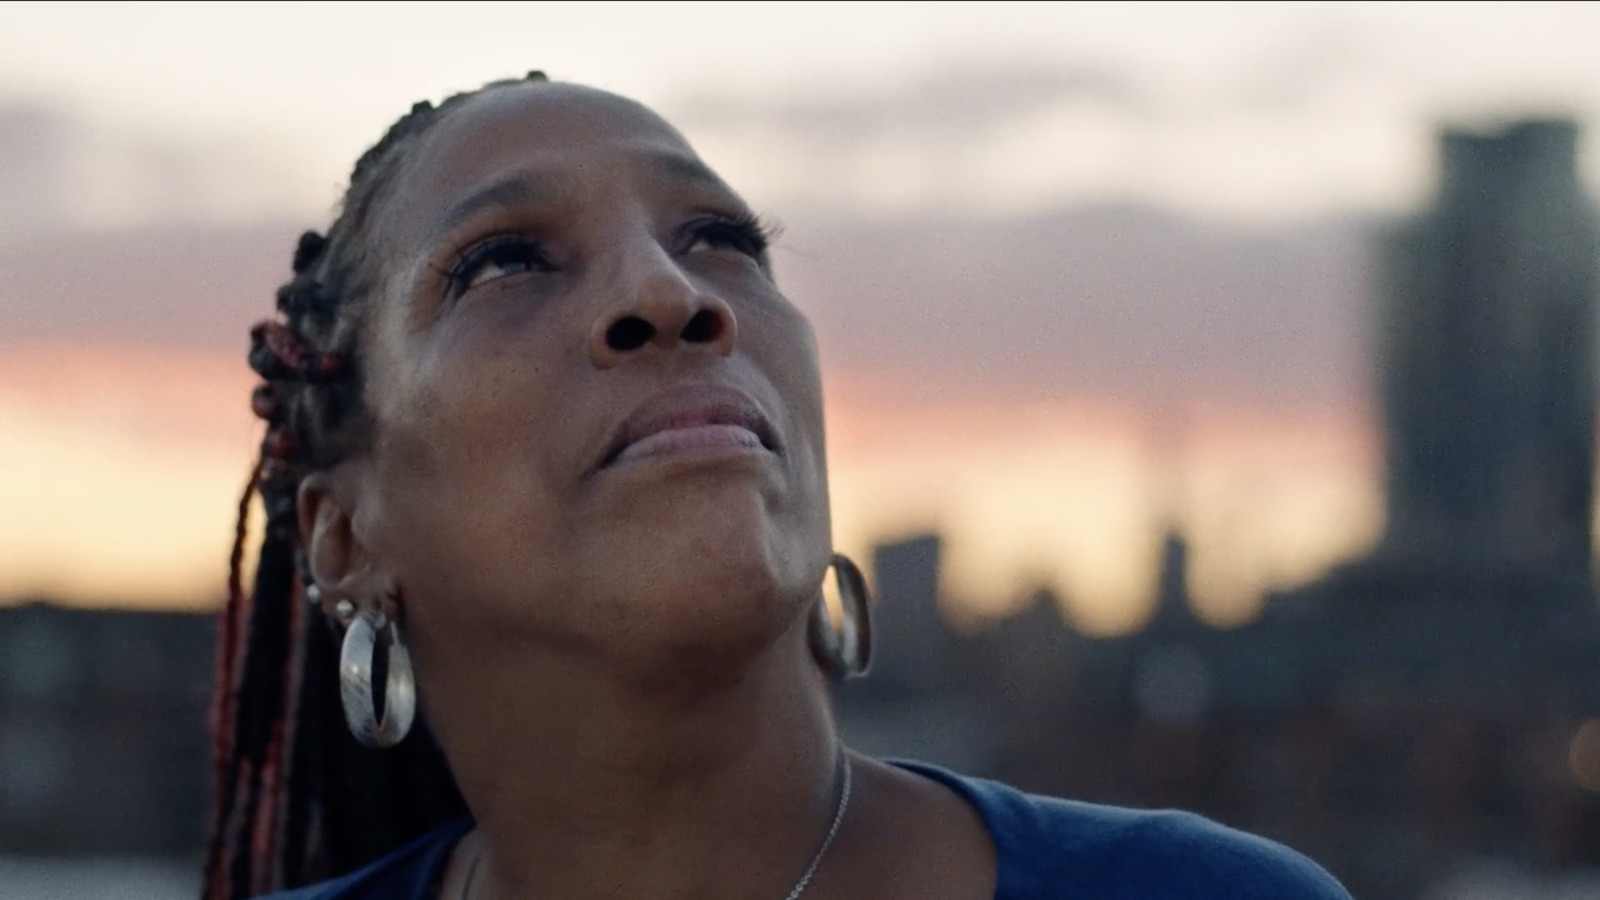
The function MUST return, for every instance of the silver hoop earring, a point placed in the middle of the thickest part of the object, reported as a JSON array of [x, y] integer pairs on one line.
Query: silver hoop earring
[[846, 651], [355, 682]]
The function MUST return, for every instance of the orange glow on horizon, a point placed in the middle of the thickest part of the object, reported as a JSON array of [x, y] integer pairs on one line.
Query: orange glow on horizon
[[1078, 494], [120, 471], [116, 470]]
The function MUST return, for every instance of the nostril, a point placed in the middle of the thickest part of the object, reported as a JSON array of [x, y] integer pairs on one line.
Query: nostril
[[629, 333], [703, 327]]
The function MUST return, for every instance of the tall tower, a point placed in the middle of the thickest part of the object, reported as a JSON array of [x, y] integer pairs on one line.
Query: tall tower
[[1486, 344], [911, 650]]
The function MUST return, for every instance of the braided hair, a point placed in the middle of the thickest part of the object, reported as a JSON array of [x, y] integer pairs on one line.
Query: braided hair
[[297, 799]]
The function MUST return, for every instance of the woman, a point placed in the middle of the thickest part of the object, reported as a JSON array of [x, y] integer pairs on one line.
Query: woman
[[543, 432]]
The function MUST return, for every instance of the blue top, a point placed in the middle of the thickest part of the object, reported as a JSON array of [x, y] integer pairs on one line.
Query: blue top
[[1049, 849]]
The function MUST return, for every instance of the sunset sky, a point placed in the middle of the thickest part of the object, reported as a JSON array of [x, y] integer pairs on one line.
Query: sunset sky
[[1080, 271]]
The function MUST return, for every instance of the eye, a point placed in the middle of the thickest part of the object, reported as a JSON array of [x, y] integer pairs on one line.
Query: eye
[[494, 259], [747, 236]]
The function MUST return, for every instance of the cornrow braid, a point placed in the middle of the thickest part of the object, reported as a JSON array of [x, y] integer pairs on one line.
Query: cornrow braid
[[297, 799]]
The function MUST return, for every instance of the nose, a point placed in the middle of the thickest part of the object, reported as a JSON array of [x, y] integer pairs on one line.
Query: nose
[[663, 309]]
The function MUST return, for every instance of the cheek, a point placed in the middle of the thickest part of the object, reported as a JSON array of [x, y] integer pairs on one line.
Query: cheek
[[788, 347], [797, 378], [468, 466]]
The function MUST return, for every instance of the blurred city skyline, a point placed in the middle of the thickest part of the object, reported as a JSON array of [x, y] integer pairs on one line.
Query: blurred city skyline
[[1079, 273]]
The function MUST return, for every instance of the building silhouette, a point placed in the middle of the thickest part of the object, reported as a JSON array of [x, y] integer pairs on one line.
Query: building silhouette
[[1486, 360], [103, 742], [1423, 710], [1418, 712]]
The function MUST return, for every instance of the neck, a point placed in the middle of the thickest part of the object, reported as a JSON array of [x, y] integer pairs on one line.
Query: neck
[[588, 786]]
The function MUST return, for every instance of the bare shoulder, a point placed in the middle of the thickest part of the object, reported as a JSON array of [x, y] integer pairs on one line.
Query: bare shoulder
[[910, 837]]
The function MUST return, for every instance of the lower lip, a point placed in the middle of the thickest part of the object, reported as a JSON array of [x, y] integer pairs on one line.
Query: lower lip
[[692, 441]]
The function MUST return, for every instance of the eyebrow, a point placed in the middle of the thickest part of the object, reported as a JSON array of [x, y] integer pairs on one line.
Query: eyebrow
[[524, 187], [515, 189], [684, 167]]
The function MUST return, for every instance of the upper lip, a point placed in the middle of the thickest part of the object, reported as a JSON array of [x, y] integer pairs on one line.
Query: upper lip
[[689, 406]]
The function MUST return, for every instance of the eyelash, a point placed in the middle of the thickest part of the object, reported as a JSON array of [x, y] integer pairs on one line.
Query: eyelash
[[501, 251], [746, 234]]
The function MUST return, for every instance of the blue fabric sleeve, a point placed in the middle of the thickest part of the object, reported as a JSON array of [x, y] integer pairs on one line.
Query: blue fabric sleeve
[[1175, 855], [409, 873], [1049, 849], [1052, 849]]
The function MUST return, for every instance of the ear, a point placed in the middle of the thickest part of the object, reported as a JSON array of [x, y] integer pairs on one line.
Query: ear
[[342, 565]]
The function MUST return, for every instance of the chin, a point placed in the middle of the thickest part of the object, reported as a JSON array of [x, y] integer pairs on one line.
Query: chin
[[721, 583]]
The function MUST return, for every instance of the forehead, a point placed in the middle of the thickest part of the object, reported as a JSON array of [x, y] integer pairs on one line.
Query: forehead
[[533, 133]]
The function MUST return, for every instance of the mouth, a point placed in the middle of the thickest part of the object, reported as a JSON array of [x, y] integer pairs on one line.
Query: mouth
[[691, 420]]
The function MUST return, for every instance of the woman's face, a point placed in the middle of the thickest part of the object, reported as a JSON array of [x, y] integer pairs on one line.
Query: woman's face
[[598, 424]]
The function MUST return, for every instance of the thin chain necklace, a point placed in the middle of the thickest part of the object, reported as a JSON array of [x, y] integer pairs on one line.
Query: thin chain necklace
[[800, 886], [833, 829]]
